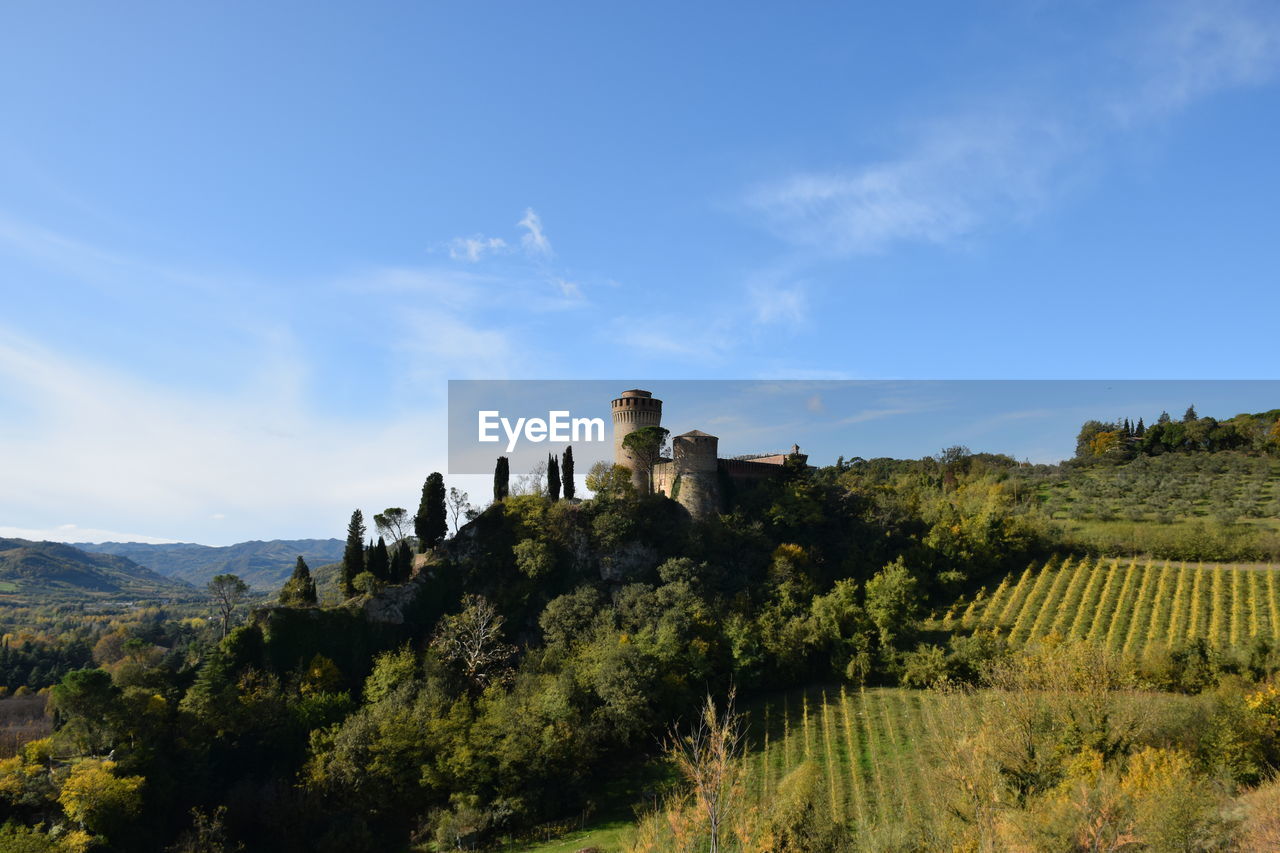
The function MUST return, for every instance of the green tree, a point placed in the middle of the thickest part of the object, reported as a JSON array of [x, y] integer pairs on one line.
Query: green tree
[[431, 523], [353, 555], [227, 591], [609, 481], [501, 479], [646, 445], [553, 477], [1190, 415], [300, 589], [393, 523], [566, 473], [892, 597], [402, 563], [85, 702], [379, 562]]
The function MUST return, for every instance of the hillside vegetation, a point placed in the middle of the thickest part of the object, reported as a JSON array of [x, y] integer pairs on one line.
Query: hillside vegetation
[[262, 565], [49, 571]]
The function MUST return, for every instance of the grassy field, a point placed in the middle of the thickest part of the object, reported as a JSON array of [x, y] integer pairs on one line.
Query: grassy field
[[1129, 605]]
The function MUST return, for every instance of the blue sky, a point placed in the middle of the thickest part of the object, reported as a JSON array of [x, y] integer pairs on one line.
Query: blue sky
[[243, 246]]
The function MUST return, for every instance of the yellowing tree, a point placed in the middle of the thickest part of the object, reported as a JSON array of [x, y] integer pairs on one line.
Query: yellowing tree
[[97, 800]]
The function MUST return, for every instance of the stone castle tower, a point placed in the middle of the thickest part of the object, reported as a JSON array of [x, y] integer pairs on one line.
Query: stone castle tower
[[695, 476], [695, 467], [634, 410]]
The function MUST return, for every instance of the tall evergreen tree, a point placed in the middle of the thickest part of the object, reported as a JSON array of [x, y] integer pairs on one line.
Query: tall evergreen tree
[[353, 554], [1141, 429], [566, 473], [401, 562], [379, 564], [432, 521], [553, 477], [1190, 415], [300, 589], [1164, 418], [501, 479]]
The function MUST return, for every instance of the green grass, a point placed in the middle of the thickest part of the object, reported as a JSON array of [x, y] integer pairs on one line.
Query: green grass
[[609, 835]]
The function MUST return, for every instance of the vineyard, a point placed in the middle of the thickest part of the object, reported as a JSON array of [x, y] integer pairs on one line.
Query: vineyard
[[1129, 605], [876, 750]]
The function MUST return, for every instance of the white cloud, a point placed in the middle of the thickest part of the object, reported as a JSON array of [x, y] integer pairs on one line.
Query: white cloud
[[126, 454], [568, 289], [76, 533], [535, 239], [474, 248], [1003, 161]]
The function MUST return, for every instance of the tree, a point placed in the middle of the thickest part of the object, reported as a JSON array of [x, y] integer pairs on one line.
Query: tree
[[379, 562], [300, 589], [86, 702], [892, 604], [646, 445], [98, 800], [1141, 429], [353, 554], [471, 642], [609, 481], [402, 563], [431, 522], [709, 757], [501, 479], [1163, 419], [393, 523], [553, 477], [1190, 415], [459, 508], [566, 473], [227, 591]]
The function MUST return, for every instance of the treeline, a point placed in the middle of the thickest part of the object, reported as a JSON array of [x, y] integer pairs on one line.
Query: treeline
[[1116, 441]]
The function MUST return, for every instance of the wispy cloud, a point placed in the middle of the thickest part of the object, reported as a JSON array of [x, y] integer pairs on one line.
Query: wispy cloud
[[1002, 162], [535, 239], [474, 248]]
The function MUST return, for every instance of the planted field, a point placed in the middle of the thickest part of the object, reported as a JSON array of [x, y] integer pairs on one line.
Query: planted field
[[876, 750], [1130, 605]]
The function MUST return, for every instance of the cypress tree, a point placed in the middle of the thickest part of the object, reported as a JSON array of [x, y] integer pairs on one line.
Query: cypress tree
[[300, 589], [501, 479], [431, 523], [380, 561], [401, 563], [566, 473], [1141, 429], [353, 554], [553, 477]]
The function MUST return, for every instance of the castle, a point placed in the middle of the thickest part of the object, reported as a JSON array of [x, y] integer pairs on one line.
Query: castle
[[695, 475]]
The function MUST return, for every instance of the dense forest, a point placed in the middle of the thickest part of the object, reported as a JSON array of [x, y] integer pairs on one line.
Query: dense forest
[[555, 657]]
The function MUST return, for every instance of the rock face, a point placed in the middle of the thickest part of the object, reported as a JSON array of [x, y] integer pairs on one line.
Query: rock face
[[390, 605], [628, 561]]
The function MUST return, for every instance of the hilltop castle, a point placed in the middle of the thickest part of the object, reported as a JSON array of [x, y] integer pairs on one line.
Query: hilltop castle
[[695, 475]]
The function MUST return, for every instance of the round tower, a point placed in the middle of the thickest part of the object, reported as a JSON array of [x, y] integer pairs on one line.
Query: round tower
[[633, 410], [697, 486]]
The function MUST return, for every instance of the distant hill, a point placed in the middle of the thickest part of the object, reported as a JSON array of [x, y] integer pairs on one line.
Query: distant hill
[[52, 570], [262, 565]]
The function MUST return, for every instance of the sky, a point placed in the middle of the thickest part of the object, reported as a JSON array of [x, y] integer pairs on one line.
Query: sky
[[244, 246]]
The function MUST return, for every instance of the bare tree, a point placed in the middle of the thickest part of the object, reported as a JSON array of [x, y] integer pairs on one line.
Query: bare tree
[[459, 505], [394, 523], [471, 642], [709, 757]]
